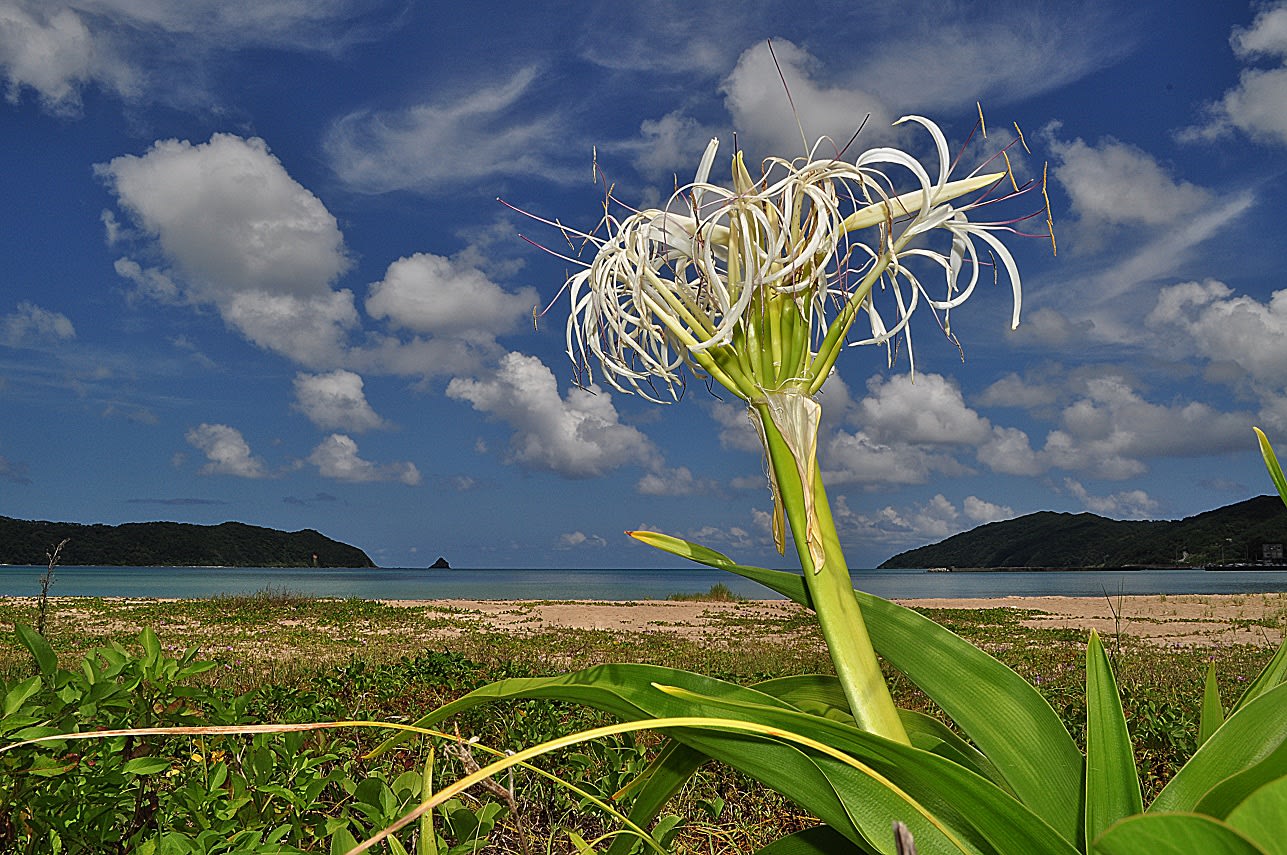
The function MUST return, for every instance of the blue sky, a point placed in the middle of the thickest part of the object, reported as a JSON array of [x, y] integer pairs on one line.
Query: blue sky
[[252, 266]]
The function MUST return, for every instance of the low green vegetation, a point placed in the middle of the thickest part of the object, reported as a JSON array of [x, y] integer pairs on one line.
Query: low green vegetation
[[282, 658], [718, 593]]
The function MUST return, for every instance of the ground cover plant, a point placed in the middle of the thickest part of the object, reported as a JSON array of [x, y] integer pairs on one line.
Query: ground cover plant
[[308, 673]]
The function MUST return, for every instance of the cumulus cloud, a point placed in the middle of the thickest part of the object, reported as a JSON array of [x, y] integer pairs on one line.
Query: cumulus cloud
[[1257, 106], [137, 51], [1127, 504], [758, 104], [910, 429], [431, 146], [337, 457], [231, 228], [335, 401], [31, 325], [1114, 183], [1111, 430], [932, 520], [226, 450], [575, 539], [1208, 319], [679, 481], [577, 436], [432, 294]]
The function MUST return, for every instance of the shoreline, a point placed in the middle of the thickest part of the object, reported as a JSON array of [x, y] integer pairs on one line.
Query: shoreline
[[1161, 619]]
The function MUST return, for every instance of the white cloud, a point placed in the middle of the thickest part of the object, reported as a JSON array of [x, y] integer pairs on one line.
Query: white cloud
[[574, 539], [758, 105], [1257, 106], [32, 326], [580, 436], [152, 49], [226, 450], [1113, 183], [1128, 504], [335, 401], [1208, 319], [926, 409], [429, 147], [678, 481], [983, 511], [50, 49], [337, 457], [229, 218], [1111, 429], [432, 294], [231, 228], [1009, 451], [934, 520]]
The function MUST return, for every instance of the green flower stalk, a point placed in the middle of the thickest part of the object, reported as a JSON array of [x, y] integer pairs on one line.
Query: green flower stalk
[[758, 286]]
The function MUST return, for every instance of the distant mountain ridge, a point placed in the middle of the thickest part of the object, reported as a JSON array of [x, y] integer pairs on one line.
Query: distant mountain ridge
[[170, 544], [1235, 533]]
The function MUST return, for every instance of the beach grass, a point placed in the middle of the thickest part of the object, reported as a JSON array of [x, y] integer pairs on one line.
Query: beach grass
[[303, 657]]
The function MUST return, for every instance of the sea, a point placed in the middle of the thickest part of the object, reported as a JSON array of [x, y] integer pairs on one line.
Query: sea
[[619, 585]]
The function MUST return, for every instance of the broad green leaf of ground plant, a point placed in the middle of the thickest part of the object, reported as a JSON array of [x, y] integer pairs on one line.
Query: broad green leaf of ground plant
[[1271, 463], [1262, 817], [997, 709], [1112, 782], [673, 766], [948, 808], [1224, 798], [1252, 734], [1212, 710], [1174, 834], [819, 840]]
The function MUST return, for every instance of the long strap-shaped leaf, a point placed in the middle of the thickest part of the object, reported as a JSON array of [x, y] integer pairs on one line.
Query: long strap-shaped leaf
[[1251, 735], [997, 709], [1262, 817], [819, 840], [1273, 674], [1173, 834], [1112, 783], [948, 808]]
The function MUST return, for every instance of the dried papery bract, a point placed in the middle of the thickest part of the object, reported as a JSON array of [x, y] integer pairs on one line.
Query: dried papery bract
[[758, 286]]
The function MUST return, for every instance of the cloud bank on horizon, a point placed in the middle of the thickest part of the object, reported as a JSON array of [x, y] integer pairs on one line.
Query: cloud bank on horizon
[[254, 258]]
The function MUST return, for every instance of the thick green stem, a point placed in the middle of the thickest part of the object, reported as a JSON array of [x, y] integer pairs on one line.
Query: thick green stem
[[829, 585]]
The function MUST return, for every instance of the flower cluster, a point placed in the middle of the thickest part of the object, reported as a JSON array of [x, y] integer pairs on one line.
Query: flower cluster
[[757, 285]]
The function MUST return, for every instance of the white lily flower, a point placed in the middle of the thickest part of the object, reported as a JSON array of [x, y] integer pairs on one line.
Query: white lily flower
[[757, 285]]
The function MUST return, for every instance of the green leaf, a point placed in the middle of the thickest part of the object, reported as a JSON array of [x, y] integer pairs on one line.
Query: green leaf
[[673, 766], [997, 709], [819, 840], [1255, 733], [146, 765], [1225, 797], [948, 808], [1173, 834], [46, 659], [1273, 674], [1212, 709], [1112, 783], [821, 694], [1271, 463], [1262, 817], [342, 841], [15, 697]]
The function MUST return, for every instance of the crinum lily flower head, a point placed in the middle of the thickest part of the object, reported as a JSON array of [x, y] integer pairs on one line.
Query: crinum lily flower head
[[758, 285]]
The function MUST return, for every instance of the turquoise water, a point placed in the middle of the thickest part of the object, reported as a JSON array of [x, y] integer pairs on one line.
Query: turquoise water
[[418, 584]]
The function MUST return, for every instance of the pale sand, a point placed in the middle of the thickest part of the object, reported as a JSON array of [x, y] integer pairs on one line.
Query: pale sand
[[1184, 619]]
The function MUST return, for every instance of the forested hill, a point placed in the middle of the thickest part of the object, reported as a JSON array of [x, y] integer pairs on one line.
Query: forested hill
[[1234, 533], [168, 544]]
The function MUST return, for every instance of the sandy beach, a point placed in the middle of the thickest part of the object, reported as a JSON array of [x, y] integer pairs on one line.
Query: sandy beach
[[1256, 619]]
